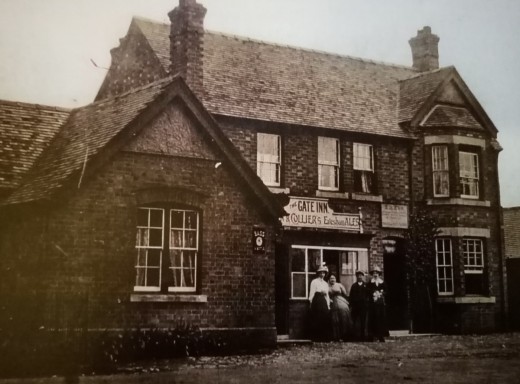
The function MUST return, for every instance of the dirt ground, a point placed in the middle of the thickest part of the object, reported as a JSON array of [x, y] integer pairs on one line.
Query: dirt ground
[[437, 359]]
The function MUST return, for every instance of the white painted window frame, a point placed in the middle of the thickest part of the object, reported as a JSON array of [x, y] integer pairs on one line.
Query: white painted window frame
[[308, 273], [445, 265], [477, 267], [474, 178], [266, 158], [443, 171], [326, 163]]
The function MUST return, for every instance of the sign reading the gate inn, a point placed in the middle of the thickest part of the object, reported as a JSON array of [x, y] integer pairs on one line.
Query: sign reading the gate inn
[[316, 213]]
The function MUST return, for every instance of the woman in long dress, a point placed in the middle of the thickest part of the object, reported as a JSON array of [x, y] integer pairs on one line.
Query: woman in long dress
[[377, 310], [320, 306], [340, 310]]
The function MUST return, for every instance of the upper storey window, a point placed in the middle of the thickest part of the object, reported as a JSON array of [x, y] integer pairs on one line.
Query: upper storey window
[[268, 155], [328, 163], [363, 168], [441, 180], [469, 175]]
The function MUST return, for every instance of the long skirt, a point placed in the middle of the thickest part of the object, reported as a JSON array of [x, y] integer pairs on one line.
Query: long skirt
[[319, 319], [341, 318], [377, 320]]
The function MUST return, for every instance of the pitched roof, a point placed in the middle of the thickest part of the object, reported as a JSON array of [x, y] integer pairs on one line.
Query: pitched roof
[[93, 128], [25, 130], [451, 116], [254, 79], [87, 130], [414, 91]]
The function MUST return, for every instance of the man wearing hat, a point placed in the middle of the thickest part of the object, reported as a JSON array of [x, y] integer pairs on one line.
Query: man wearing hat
[[359, 305]]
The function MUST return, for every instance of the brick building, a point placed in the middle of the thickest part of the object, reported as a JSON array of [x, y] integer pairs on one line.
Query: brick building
[[207, 136]]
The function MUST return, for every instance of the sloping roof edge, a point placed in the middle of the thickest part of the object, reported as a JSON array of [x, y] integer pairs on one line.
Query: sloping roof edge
[[454, 76], [177, 88]]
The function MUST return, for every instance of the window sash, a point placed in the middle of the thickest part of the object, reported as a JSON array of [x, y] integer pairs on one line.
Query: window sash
[[144, 267], [440, 170], [469, 174], [473, 254], [268, 158], [328, 163], [444, 264], [363, 157]]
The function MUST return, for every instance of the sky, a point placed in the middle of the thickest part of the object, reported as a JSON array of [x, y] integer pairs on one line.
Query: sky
[[48, 47]]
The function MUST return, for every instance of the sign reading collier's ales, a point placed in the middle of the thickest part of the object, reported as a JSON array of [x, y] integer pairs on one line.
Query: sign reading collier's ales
[[316, 213]]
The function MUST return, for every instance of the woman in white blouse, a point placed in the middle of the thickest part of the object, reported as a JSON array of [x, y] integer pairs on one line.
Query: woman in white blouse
[[320, 306]]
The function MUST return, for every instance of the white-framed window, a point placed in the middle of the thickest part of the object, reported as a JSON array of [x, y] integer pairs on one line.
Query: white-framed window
[[184, 247], [469, 175], [440, 168], [342, 262], [328, 163], [363, 168], [269, 157], [167, 244], [444, 262], [473, 255]]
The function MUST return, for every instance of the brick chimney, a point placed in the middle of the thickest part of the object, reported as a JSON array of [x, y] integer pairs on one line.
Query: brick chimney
[[186, 43], [425, 52]]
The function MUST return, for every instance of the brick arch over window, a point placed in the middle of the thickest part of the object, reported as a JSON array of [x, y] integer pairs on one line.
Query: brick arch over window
[[174, 195]]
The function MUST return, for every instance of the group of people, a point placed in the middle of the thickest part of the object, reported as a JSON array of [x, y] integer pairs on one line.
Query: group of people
[[358, 316]]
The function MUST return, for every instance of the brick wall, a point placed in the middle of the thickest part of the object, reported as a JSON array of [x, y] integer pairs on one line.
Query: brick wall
[[134, 64], [86, 245]]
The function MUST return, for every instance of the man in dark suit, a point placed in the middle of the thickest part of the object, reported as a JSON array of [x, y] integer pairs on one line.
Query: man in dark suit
[[359, 305]]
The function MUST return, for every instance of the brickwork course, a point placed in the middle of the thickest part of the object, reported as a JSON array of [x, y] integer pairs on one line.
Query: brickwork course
[[176, 123]]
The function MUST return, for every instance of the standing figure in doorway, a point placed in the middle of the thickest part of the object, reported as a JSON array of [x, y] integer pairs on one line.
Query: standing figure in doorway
[[339, 310], [320, 306], [377, 311], [359, 305]]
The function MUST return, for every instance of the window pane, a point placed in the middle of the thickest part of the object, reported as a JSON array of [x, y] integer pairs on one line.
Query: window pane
[[176, 239], [156, 218], [142, 239], [190, 239], [298, 285], [363, 160], [298, 260], [140, 278], [327, 150], [314, 260], [328, 176], [363, 182], [141, 257], [154, 257], [142, 217], [191, 220], [177, 219], [152, 277], [268, 158], [155, 238]]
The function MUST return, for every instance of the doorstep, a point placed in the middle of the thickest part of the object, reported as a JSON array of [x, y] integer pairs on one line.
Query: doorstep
[[284, 341], [406, 333]]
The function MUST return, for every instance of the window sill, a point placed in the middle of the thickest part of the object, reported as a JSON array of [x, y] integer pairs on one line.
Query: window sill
[[467, 300], [160, 298], [458, 201], [332, 194], [367, 197], [279, 190]]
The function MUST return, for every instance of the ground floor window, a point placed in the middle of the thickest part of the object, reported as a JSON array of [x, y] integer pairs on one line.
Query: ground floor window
[[444, 261], [342, 262], [473, 254], [167, 245]]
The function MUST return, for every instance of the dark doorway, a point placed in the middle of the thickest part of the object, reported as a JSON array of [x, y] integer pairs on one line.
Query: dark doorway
[[395, 278], [281, 282], [513, 291]]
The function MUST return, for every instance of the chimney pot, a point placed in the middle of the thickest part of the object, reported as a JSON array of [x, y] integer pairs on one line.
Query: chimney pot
[[425, 50]]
